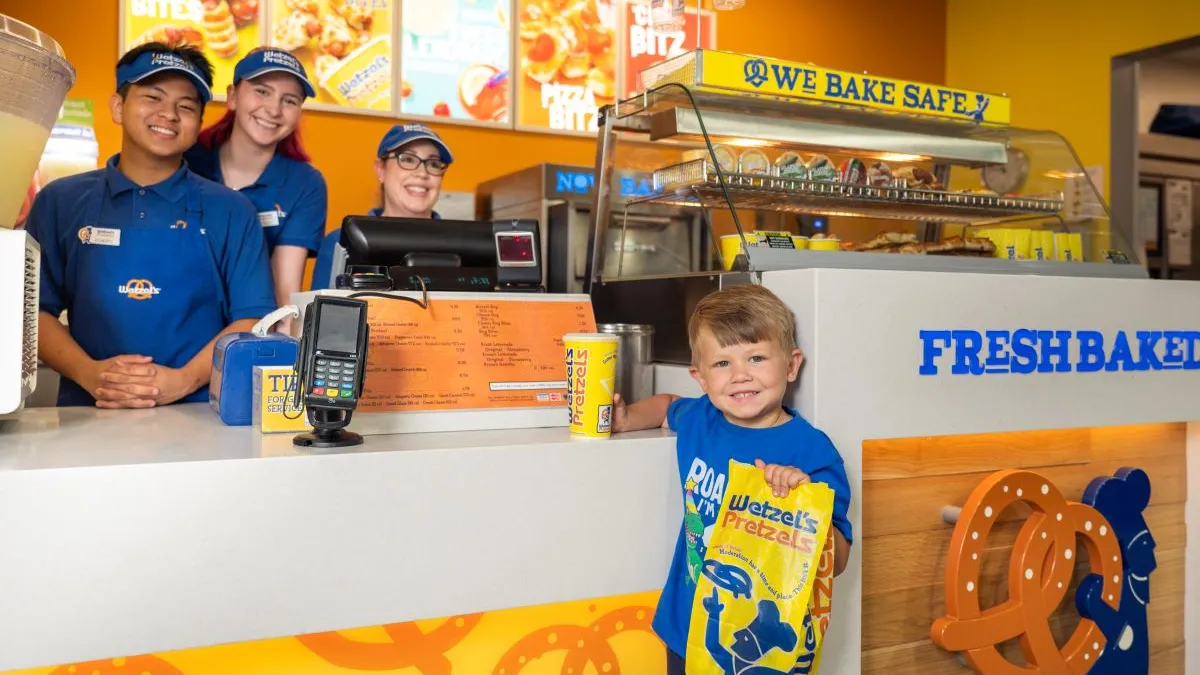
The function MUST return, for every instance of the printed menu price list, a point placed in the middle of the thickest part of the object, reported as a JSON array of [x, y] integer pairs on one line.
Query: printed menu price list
[[469, 354]]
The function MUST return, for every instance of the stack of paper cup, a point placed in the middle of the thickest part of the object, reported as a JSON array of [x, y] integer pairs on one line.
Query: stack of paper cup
[[591, 376], [1041, 245], [1068, 246]]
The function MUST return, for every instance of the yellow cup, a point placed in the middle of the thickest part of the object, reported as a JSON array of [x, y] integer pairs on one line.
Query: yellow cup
[[591, 375], [799, 242], [1068, 246], [1041, 245], [731, 246], [825, 244]]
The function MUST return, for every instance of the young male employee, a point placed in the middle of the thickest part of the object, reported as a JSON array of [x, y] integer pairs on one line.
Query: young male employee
[[151, 262]]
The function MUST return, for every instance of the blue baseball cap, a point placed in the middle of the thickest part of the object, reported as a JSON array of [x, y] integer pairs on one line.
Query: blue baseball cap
[[153, 63], [272, 61], [403, 134]]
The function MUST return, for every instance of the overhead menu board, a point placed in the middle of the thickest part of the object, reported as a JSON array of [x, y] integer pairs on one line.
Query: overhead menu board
[[345, 45], [225, 30], [566, 62], [468, 353], [454, 59], [544, 65]]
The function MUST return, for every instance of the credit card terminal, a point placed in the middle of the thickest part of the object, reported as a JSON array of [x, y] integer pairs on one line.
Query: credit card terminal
[[332, 368]]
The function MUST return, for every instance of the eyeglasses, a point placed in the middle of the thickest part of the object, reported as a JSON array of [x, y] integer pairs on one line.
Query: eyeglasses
[[410, 162]]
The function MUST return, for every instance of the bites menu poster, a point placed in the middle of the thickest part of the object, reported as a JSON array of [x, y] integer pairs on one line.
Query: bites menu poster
[[642, 46], [345, 45], [566, 62], [225, 30]]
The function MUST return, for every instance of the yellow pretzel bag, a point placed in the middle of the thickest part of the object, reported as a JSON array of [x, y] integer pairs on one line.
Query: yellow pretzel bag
[[763, 598]]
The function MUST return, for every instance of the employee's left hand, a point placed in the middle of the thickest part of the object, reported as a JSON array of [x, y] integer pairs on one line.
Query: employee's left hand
[[782, 479], [164, 385]]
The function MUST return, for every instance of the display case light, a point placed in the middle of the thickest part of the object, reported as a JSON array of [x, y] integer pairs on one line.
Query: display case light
[[747, 130]]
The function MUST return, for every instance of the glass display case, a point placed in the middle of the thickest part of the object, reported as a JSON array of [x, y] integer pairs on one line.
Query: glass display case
[[795, 166]]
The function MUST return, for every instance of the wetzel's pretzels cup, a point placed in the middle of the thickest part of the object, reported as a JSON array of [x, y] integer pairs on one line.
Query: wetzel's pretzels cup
[[591, 374]]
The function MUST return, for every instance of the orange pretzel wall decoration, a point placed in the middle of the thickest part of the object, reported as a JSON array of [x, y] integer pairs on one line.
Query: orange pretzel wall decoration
[[1044, 546]]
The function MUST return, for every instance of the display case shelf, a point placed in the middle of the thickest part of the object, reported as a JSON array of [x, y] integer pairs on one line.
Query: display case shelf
[[696, 184]]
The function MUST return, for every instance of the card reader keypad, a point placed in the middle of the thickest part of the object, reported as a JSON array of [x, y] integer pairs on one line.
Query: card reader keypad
[[334, 378]]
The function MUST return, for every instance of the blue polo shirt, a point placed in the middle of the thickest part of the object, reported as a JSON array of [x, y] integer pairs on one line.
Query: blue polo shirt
[[322, 268], [157, 270], [290, 197]]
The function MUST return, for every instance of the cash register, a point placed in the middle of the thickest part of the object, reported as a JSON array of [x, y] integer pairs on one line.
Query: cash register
[[420, 254]]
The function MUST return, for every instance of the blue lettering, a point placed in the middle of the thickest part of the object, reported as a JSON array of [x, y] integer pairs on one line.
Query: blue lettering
[[810, 80], [833, 85], [1049, 350], [868, 90], [930, 349], [927, 102], [628, 187], [912, 96], [1173, 355], [756, 509], [998, 355], [788, 519], [960, 103], [577, 183], [1024, 349], [943, 98], [1121, 357], [1091, 351], [889, 93], [810, 524], [785, 76], [852, 89], [1192, 362], [739, 502], [1147, 349], [967, 344]]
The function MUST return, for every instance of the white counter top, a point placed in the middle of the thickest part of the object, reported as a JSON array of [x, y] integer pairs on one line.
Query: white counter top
[[113, 519], [56, 438]]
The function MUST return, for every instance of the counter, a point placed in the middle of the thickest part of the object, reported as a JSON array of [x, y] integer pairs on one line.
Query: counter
[[924, 381], [135, 532]]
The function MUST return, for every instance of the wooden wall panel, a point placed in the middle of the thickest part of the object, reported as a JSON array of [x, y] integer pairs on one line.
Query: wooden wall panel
[[908, 481]]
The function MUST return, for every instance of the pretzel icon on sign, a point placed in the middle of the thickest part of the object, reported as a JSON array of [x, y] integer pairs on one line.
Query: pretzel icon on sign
[[1043, 559]]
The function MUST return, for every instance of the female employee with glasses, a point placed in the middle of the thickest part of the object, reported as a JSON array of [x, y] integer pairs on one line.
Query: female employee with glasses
[[410, 164]]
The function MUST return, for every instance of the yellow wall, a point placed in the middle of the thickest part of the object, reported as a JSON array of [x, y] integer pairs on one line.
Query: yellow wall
[[1053, 58], [842, 35]]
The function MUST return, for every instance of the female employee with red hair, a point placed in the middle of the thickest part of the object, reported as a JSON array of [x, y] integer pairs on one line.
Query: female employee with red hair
[[255, 149]]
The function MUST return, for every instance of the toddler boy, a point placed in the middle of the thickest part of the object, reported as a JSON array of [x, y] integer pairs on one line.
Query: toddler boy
[[744, 356]]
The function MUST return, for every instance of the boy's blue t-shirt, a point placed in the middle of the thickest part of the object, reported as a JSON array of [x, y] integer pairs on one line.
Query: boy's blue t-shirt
[[706, 443]]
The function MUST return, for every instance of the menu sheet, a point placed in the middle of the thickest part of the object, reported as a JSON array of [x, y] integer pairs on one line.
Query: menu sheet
[[468, 353]]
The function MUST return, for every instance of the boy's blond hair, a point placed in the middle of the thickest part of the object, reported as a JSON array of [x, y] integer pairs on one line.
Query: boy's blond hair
[[743, 315]]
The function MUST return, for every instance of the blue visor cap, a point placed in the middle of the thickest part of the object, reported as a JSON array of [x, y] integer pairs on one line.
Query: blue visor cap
[[153, 63], [273, 61], [403, 134]]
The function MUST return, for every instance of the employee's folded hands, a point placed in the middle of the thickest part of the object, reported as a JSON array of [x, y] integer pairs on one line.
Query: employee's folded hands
[[133, 381]]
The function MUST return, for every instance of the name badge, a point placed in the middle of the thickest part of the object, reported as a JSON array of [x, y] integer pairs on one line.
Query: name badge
[[100, 236], [268, 218]]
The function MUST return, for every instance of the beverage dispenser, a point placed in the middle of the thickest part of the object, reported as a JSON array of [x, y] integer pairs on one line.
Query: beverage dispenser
[[35, 77]]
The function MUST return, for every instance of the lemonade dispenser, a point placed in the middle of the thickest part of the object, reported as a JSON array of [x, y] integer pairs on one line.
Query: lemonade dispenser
[[36, 77]]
